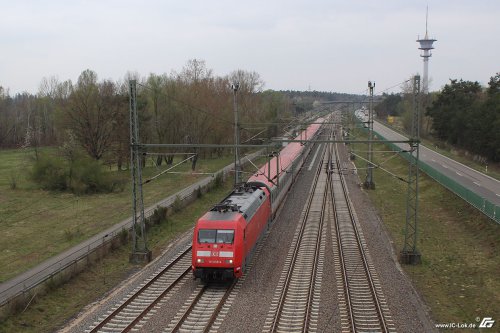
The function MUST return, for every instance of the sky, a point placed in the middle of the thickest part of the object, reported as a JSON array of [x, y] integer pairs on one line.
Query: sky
[[324, 45]]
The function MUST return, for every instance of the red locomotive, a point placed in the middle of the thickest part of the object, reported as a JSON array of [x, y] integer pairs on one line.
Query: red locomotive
[[225, 237]]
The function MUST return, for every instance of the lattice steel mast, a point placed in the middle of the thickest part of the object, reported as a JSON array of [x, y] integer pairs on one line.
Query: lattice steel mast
[[140, 251], [369, 183], [410, 253]]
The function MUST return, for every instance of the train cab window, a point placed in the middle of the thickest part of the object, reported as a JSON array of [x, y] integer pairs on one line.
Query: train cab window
[[215, 236], [225, 236], [207, 235]]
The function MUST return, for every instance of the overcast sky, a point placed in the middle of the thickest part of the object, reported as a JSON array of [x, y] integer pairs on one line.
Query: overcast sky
[[325, 45]]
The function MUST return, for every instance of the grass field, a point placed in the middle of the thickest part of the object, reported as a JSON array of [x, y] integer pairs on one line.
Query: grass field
[[458, 278], [38, 224], [459, 274], [52, 310]]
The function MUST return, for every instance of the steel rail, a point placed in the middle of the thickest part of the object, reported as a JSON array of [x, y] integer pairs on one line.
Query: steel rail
[[312, 284], [281, 303], [316, 254], [189, 309], [216, 312], [374, 295], [363, 255], [139, 292], [151, 306]]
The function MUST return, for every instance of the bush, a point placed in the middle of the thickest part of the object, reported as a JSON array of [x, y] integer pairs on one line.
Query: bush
[[124, 236], [159, 215], [50, 173], [81, 175], [219, 180], [177, 204], [89, 177], [70, 234]]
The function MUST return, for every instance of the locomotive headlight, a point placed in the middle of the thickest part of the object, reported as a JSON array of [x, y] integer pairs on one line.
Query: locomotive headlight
[[200, 261], [229, 261]]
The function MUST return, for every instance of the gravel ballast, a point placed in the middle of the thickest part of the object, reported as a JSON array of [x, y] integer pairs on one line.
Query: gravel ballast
[[251, 305]]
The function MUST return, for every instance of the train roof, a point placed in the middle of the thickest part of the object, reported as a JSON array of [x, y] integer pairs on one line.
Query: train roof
[[244, 200], [267, 175]]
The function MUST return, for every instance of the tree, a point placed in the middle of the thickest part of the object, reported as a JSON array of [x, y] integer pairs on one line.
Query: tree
[[490, 116], [91, 112], [390, 106], [6, 121], [453, 111]]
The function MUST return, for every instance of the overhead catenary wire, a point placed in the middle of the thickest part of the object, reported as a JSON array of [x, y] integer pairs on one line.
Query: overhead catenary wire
[[394, 86]]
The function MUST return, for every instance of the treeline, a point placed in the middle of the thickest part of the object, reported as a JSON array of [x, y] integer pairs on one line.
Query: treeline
[[468, 116], [190, 106], [463, 114]]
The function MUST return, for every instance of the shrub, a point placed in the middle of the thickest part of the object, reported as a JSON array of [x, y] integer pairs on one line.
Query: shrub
[[219, 180], [70, 234], [159, 215], [124, 236], [89, 177], [177, 204], [81, 175], [50, 173]]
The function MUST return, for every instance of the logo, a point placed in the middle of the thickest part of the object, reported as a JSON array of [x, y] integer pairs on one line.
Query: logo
[[216, 254], [487, 322]]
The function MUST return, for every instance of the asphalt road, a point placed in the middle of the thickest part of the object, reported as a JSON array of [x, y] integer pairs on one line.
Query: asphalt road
[[477, 182]]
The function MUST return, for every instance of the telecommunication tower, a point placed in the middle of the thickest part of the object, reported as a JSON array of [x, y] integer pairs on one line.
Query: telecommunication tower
[[426, 47]]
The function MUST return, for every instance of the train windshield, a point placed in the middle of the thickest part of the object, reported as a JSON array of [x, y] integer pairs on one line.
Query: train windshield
[[221, 236]]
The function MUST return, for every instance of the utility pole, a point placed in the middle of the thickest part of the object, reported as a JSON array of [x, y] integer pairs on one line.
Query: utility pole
[[369, 184], [237, 163], [140, 252], [410, 254]]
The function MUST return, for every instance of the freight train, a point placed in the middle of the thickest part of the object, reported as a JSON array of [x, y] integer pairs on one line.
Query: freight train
[[224, 238]]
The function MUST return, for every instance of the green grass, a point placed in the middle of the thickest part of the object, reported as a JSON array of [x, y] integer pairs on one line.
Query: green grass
[[38, 224], [52, 310], [460, 247]]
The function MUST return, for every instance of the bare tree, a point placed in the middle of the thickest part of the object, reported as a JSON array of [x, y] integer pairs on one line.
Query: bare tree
[[91, 113]]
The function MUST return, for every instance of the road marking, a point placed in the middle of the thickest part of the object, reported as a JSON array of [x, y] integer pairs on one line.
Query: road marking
[[444, 166], [458, 173], [477, 183], [498, 195], [314, 158], [433, 160]]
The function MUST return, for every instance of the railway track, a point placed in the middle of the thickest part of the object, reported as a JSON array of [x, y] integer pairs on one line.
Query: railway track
[[206, 308], [201, 309], [295, 304], [135, 308], [362, 304]]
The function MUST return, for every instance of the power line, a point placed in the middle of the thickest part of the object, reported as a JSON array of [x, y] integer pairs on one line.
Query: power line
[[394, 86]]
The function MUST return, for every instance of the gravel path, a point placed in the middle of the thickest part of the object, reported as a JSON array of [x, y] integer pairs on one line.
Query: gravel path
[[251, 304]]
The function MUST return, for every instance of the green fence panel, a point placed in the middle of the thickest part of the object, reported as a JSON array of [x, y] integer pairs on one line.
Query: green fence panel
[[485, 206]]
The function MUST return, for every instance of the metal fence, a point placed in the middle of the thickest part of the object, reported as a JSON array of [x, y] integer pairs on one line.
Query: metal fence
[[482, 204], [53, 266]]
